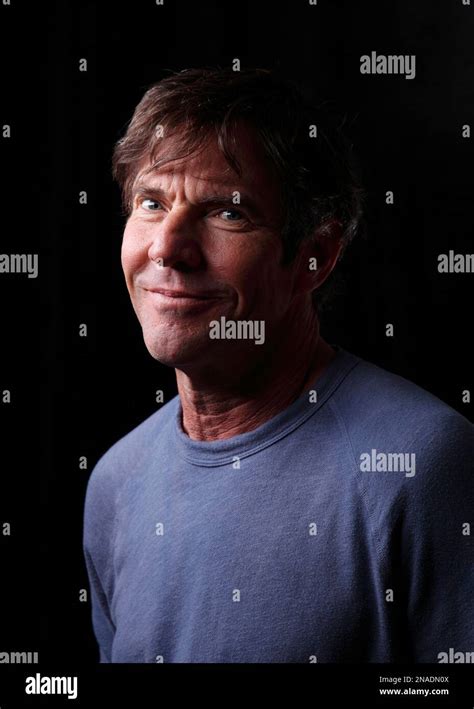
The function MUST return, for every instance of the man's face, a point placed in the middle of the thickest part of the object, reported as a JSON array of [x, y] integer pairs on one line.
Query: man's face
[[225, 254]]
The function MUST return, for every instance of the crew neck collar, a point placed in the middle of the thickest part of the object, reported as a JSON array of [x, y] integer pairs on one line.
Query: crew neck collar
[[225, 451]]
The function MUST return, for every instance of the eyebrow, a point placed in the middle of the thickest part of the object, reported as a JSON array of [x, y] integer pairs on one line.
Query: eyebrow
[[216, 200]]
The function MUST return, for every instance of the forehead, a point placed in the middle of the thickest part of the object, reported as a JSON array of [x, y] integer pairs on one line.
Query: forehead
[[209, 167]]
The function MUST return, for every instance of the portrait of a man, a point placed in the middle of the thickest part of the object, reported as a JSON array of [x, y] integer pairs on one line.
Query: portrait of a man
[[294, 502]]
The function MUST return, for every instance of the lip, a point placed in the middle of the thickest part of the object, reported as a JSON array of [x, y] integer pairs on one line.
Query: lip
[[181, 301], [182, 295]]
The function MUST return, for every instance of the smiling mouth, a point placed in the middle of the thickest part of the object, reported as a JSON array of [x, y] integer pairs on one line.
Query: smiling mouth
[[182, 295], [181, 299]]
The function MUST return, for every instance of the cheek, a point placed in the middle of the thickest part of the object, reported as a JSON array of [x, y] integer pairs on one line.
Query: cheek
[[239, 269], [254, 273], [132, 253], [268, 285]]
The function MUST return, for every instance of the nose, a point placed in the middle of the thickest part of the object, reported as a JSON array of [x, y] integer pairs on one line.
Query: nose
[[175, 241]]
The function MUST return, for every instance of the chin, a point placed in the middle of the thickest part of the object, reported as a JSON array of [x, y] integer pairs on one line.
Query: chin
[[175, 354]]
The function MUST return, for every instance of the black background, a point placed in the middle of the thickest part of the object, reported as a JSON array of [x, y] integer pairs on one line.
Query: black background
[[74, 396]]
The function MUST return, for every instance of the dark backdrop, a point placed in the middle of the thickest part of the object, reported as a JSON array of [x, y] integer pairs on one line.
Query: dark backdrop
[[74, 396]]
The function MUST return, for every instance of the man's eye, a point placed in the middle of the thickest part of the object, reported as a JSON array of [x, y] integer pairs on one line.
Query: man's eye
[[151, 205], [232, 212]]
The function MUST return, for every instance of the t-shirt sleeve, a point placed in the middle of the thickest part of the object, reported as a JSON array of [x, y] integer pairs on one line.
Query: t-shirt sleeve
[[437, 543], [104, 629], [98, 553]]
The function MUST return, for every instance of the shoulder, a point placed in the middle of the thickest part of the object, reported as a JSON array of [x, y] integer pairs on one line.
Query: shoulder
[[376, 405], [124, 459], [410, 450], [413, 467]]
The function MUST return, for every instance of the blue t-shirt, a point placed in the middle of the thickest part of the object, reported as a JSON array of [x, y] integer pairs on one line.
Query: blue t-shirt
[[337, 531]]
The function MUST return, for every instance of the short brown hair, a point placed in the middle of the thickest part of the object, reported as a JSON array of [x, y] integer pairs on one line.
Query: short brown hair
[[318, 177]]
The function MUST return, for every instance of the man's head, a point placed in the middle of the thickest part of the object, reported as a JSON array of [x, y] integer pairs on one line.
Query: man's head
[[231, 186]]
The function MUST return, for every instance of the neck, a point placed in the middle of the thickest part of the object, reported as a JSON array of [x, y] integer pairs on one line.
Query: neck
[[222, 402]]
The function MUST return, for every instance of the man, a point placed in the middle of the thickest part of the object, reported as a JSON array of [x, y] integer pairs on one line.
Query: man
[[294, 503]]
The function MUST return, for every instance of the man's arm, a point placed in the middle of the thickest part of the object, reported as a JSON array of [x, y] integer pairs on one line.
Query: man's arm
[[437, 539], [104, 628], [98, 553]]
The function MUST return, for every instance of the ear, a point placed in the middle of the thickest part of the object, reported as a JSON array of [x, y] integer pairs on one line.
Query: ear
[[318, 256]]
